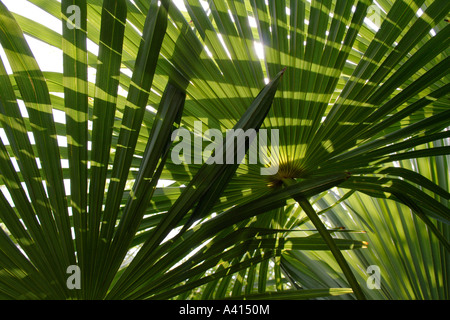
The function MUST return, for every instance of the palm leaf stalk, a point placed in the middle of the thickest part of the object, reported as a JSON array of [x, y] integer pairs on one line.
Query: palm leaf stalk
[[312, 215]]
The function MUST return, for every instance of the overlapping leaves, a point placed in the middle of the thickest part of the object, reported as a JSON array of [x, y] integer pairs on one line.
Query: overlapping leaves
[[353, 102]]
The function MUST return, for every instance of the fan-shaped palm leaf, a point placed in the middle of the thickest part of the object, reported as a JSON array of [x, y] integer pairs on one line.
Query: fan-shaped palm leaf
[[355, 103]]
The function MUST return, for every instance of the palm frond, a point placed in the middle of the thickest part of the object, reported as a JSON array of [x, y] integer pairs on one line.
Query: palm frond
[[361, 114]]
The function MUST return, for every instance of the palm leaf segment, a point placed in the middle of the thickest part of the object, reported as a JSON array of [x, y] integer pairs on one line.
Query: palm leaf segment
[[360, 102]]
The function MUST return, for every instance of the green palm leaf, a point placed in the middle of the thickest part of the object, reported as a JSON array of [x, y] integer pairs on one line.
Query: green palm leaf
[[362, 114]]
